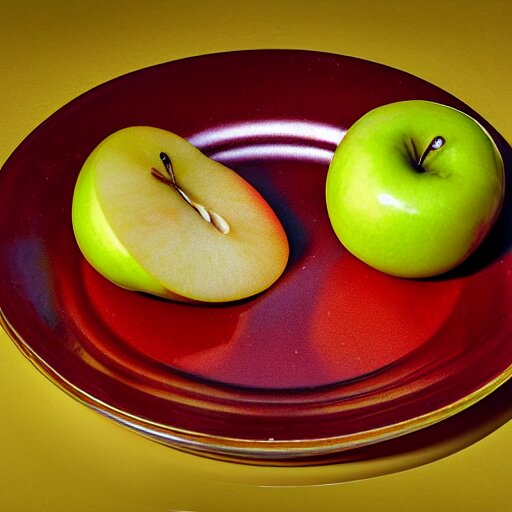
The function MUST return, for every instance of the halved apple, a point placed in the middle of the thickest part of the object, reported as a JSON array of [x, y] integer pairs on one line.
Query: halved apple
[[152, 213]]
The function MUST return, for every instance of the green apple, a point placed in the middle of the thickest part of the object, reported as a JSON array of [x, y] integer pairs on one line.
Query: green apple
[[414, 187], [152, 213]]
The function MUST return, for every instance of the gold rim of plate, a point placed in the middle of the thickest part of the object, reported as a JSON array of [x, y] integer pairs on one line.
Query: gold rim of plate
[[263, 452]]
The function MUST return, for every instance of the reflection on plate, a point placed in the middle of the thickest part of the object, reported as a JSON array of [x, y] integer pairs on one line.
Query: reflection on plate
[[334, 357]]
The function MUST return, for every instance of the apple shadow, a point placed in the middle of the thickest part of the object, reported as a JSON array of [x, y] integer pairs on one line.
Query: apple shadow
[[499, 240], [263, 178]]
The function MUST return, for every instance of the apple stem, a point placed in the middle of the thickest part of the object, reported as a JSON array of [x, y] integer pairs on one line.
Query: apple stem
[[436, 143], [208, 215], [168, 168]]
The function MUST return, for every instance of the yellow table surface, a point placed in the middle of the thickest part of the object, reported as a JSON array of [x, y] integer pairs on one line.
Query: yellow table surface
[[57, 455]]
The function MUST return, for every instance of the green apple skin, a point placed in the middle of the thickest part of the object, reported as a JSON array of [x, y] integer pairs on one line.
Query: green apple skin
[[100, 244], [408, 221]]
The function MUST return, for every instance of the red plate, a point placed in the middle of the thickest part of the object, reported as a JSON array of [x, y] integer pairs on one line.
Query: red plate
[[335, 356]]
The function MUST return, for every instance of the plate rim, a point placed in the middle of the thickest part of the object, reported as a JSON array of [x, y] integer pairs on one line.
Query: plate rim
[[247, 450]]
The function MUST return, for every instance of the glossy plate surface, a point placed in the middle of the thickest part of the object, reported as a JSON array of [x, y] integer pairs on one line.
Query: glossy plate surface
[[333, 357]]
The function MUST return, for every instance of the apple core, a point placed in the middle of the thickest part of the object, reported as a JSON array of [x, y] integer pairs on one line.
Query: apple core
[[208, 215]]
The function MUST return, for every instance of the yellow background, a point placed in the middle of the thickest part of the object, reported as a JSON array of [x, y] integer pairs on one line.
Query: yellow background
[[55, 454]]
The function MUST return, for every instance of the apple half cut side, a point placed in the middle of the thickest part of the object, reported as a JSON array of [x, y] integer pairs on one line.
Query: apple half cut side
[[153, 214], [414, 187]]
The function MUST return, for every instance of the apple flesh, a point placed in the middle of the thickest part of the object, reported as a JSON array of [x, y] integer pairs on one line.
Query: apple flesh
[[152, 213], [414, 187]]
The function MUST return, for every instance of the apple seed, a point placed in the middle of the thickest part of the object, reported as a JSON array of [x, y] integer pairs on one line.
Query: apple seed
[[208, 215]]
